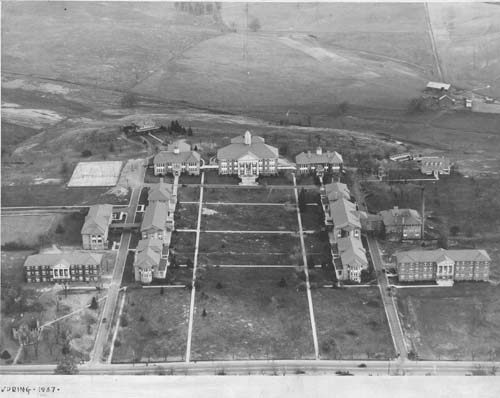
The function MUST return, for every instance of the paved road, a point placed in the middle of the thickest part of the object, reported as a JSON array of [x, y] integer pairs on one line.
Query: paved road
[[383, 283], [114, 288], [440, 368]]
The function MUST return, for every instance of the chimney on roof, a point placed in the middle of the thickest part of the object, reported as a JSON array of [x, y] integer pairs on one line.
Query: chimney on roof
[[176, 149], [319, 151], [248, 138]]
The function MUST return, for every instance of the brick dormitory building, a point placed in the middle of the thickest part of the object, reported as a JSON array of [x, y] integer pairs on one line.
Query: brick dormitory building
[[443, 266], [63, 267]]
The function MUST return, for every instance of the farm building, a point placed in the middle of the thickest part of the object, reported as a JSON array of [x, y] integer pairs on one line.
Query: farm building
[[401, 224], [96, 226], [177, 159], [438, 87], [445, 101], [443, 266], [248, 157], [151, 260], [434, 165], [63, 267], [318, 162]]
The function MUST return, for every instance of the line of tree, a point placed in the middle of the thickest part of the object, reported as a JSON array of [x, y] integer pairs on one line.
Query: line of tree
[[176, 128], [198, 8]]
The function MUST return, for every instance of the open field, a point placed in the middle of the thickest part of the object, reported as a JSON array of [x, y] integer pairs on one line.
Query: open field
[[249, 249], [34, 230], [250, 316], [249, 218], [318, 246], [457, 323], [58, 195], [186, 216], [158, 334], [248, 195], [351, 323]]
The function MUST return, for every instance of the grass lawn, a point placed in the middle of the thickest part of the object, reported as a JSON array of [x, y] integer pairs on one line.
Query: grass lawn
[[249, 249], [351, 323], [318, 246], [250, 316], [182, 246], [158, 333], [313, 218], [188, 194], [186, 216], [248, 195], [32, 230], [215, 178], [457, 323], [187, 179], [249, 218], [58, 195]]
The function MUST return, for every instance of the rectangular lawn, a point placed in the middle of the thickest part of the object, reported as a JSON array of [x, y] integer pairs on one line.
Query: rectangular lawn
[[351, 323], [249, 249], [248, 195], [249, 218], [452, 323], [186, 216], [248, 315], [153, 326]]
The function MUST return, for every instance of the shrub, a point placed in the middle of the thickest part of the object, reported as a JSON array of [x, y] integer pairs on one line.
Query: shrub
[[218, 285], [142, 318], [254, 25], [86, 153], [59, 229], [94, 305], [129, 100], [124, 321], [117, 343]]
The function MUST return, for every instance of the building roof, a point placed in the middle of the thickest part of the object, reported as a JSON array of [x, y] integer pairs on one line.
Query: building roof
[[155, 217], [344, 213], [317, 158], [337, 190], [67, 258], [181, 145], [438, 85], [352, 251], [247, 145], [398, 216], [443, 97], [440, 254], [148, 253], [181, 157], [97, 219], [160, 192]]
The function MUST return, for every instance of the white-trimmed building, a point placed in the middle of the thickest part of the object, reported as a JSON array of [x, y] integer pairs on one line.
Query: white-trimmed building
[[319, 162], [96, 226], [177, 159], [248, 157], [151, 260]]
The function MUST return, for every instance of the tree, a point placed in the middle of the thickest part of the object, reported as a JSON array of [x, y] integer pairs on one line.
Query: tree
[[189, 263], [111, 147], [254, 25], [59, 229], [282, 282], [302, 200], [443, 241], [162, 290], [129, 100], [64, 169], [310, 262], [86, 153], [66, 366], [204, 313], [455, 230], [218, 285], [94, 305], [190, 131]]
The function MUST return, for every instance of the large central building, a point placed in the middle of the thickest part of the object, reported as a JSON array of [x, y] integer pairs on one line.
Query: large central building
[[248, 157]]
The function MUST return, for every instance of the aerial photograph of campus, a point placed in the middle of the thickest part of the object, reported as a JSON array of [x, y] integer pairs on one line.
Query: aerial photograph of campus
[[250, 188]]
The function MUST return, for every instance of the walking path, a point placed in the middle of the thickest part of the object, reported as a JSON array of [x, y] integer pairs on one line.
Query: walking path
[[306, 271], [195, 264], [216, 231], [118, 318]]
